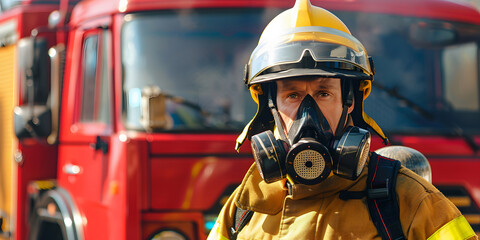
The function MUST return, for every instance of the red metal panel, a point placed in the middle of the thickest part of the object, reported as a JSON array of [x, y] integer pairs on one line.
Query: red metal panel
[[437, 145], [136, 185], [29, 17], [39, 161], [88, 186], [169, 143], [458, 171], [123, 214], [437, 9], [193, 182], [100, 189]]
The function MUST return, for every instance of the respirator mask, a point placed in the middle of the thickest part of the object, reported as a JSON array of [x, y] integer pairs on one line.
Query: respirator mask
[[311, 151]]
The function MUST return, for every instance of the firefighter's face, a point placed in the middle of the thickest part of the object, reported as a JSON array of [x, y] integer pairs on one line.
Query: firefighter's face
[[326, 92]]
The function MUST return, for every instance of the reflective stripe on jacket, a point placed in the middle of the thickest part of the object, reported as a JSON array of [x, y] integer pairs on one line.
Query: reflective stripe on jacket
[[317, 212]]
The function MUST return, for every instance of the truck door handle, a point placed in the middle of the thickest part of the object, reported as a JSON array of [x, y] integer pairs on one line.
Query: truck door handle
[[100, 144], [71, 169]]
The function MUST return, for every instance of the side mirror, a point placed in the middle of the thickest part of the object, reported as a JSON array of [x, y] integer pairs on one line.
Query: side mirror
[[33, 117], [27, 125]]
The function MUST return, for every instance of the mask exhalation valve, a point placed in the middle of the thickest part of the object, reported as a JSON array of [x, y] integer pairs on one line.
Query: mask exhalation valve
[[308, 162]]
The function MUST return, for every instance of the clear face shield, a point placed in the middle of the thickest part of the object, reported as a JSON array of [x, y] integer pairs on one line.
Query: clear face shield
[[335, 54]]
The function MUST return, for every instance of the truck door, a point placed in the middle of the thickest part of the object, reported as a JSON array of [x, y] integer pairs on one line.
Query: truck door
[[84, 146]]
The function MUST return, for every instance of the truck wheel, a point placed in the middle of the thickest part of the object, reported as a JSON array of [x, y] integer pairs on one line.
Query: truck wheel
[[55, 217]]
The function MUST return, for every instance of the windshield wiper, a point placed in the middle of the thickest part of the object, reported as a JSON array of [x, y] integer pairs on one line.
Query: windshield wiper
[[455, 128]]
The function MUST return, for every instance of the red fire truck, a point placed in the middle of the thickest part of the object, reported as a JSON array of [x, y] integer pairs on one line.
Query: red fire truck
[[118, 118]]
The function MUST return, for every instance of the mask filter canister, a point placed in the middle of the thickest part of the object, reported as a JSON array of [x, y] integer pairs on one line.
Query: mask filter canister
[[269, 154]]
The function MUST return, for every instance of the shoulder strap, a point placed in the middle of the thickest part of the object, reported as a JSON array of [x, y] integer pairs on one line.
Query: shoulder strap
[[382, 197], [241, 218]]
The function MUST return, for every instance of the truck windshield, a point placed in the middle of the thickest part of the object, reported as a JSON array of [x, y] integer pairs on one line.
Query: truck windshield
[[427, 73], [426, 80], [198, 59]]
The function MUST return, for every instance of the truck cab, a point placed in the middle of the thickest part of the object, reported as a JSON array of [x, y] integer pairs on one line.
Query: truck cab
[[128, 130]]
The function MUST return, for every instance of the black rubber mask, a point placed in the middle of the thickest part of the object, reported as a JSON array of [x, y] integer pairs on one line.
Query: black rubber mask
[[310, 123], [312, 152]]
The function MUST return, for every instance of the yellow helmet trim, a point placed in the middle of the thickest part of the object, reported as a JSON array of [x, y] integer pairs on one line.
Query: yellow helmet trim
[[256, 90], [243, 136], [370, 122], [366, 88]]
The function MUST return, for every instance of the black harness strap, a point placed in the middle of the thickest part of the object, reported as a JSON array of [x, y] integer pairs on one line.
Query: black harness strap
[[241, 218], [382, 197]]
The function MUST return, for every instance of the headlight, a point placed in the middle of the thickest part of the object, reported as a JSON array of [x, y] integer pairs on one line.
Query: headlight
[[169, 235]]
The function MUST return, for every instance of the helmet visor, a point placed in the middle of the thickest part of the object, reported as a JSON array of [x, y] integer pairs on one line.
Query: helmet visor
[[333, 51]]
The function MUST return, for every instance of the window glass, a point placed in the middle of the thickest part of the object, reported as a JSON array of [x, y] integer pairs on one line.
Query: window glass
[[89, 77], [104, 113], [96, 94], [460, 67]]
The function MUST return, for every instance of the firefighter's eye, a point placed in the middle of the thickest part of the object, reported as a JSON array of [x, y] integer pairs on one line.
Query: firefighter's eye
[[293, 96], [323, 94]]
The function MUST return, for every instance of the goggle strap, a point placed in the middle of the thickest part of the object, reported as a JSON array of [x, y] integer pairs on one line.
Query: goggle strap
[[341, 123], [348, 102], [276, 116]]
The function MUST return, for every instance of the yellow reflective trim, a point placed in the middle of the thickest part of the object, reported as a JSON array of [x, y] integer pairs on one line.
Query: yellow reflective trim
[[255, 91], [215, 233], [458, 228], [241, 138], [366, 88], [44, 184], [368, 120]]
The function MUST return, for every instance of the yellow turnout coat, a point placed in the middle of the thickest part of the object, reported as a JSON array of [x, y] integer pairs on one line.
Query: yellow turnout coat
[[317, 212]]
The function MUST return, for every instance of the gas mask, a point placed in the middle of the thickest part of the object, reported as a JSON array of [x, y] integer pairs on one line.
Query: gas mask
[[311, 151]]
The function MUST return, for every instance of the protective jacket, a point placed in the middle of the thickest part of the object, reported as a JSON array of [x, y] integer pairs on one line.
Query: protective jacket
[[317, 212]]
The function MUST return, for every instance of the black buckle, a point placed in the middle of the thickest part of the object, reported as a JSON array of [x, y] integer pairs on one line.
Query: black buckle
[[376, 193]]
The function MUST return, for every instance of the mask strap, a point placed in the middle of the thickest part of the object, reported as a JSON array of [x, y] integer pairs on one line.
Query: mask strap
[[276, 116], [348, 102]]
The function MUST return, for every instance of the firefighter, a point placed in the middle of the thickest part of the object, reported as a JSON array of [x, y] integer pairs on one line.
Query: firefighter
[[314, 176]]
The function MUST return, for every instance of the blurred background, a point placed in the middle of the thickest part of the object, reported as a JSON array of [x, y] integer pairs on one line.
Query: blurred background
[[118, 118]]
